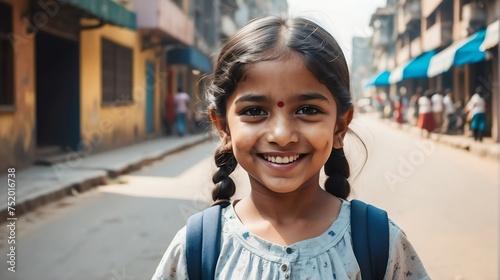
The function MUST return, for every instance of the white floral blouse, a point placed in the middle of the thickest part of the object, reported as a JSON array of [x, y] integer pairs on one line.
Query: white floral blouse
[[328, 256]]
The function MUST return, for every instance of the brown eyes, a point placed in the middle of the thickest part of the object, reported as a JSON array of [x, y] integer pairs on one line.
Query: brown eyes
[[258, 111], [254, 112], [309, 110]]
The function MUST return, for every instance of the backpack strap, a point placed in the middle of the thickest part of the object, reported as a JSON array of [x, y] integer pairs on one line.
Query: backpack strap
[[370, 239], [203, 232]]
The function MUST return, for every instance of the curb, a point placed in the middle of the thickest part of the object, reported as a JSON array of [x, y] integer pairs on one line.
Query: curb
[[29, 204], [145, 161]]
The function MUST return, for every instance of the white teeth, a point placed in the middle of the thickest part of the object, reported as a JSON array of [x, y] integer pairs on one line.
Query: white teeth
[[283, 160]]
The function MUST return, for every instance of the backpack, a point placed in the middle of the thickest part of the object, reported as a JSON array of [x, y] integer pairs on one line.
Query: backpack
[[369, 231]]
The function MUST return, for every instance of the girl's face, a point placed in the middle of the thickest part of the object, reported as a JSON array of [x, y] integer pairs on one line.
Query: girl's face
[[281, 125]]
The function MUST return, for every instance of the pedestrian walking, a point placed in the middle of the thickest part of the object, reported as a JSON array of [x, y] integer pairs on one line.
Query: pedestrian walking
[[280, 99], [169, 116], [182, 101], [476, 114], [425, 121], [437, 109], [413, 107], [399, 108], [450, 121]]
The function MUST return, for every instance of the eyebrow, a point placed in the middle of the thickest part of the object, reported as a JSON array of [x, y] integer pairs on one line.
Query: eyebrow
[[312, 96], [251, 97]]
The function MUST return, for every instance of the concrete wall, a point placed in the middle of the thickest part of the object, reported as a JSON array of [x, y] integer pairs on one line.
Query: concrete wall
[[17, 124], [107, 127]]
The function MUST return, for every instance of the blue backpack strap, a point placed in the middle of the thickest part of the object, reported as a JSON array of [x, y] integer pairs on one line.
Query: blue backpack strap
[[203, 243], [378, 240], [370, 238]]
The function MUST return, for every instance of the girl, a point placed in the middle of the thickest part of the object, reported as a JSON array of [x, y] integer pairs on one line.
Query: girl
[[281, 103]]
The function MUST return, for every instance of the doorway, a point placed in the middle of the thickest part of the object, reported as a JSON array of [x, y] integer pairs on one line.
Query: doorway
[[57, 93]]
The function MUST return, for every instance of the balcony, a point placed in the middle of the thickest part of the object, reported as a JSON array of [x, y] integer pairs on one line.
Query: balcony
[[166, 19], [429, 6], [403, 54], [412, 11], [473, 18], [416, 47], [381, 38], [439, 35]]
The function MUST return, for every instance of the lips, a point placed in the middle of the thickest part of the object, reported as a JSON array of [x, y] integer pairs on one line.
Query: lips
[[281, 159]]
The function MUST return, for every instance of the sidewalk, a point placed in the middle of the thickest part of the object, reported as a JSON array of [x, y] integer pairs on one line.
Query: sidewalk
[[488, 148], [40, 185]]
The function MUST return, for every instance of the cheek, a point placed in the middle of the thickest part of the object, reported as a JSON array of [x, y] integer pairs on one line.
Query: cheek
[[241, 133], [321, 132]]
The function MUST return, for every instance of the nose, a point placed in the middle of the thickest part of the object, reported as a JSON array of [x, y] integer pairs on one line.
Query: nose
[[282, 131]]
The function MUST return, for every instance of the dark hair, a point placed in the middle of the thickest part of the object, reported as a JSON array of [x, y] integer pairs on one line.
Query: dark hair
[[428, 93], [274, 38]]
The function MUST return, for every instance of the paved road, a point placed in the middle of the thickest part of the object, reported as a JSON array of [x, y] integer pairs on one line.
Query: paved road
[[445, 199]]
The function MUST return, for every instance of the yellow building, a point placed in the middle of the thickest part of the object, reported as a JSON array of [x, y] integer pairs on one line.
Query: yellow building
[[74, 78], [17, 92]]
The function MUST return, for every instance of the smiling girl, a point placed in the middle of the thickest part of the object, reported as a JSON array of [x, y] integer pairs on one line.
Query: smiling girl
[[280, 101]]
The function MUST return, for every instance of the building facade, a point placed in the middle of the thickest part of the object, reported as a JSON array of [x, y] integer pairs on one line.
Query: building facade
[[73, 80], [447, 44]]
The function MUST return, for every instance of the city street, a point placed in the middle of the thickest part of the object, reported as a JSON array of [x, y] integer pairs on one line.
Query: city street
[[445, 199]]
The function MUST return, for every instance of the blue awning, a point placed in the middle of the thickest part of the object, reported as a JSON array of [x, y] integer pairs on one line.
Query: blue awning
[[415, 68], [381, 79], [461, 52], [107, 10], [190, 57], [470, 52]]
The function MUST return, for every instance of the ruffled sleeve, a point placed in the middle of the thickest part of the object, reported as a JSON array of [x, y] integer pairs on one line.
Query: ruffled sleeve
[[173, 264], [404, 262]]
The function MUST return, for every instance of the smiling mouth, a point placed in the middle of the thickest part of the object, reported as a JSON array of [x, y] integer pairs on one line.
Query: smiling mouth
[[281, 159]]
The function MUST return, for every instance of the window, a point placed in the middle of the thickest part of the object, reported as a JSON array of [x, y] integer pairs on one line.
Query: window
[[431, 19], [179, 3], [6, 57], [116, 73]]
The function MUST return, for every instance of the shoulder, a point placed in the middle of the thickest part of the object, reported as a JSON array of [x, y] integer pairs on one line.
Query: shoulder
[[404, 262], [173, 263]]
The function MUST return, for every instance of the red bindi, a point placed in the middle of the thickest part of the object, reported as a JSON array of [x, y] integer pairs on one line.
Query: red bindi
[[281, 104]]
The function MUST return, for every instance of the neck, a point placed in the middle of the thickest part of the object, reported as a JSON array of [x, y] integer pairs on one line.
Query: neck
[[289, 207]]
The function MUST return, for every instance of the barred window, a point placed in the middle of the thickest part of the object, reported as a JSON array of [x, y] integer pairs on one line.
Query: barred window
[[116, 73], [6, 57]]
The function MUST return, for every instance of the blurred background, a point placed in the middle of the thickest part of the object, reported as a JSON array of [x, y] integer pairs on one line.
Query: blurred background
[[105, 178]]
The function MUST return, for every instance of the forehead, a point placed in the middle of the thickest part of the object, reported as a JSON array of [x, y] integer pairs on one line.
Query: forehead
[[284, 76], [283, 72]]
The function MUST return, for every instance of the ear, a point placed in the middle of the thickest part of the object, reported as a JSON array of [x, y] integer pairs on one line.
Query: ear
[[341, 126], [222, 128]]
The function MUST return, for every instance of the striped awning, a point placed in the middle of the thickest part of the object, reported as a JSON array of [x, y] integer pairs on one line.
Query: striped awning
[[491, 38], [381, 79], [415, 68], [461, 52]]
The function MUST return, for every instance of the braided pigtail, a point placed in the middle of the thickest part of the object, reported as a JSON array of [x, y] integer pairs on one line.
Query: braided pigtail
[[337, 170], [224, 185]]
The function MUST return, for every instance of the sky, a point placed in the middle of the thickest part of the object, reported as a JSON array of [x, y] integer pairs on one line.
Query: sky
[[344, 19]]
